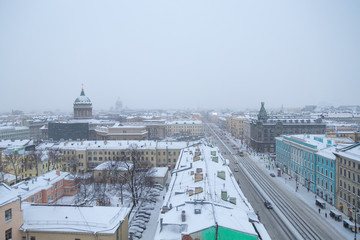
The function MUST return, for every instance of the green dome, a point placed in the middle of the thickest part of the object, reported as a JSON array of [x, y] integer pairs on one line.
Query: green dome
[[82, 99]]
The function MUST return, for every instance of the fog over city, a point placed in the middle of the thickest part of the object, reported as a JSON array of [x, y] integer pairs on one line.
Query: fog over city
[[179, 54]]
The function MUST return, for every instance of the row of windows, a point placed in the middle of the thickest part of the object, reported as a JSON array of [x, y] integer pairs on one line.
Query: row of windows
[[349, 175], [349, 163]]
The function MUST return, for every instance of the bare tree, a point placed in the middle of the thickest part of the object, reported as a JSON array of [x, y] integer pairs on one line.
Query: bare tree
[[135, 171], [55, 156], [34, 159], [12, 164]]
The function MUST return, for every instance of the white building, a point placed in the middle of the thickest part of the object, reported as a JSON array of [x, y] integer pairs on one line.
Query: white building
[[204, 201]]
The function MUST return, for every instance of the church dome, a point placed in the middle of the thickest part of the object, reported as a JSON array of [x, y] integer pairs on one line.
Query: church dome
[[82, 99]]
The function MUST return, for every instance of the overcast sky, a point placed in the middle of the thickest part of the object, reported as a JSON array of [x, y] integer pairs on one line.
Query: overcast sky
[[179, 54]]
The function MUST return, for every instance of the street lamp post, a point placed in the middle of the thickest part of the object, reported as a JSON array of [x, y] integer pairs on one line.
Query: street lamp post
[[356, 210]]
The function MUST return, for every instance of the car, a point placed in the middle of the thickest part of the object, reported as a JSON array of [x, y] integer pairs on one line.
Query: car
[[135, 220], [135, 229], [268, 204], [272, 174], [145, 212], [147, 207], [137, 235], [138, 224], [142, 218], [236, 169]]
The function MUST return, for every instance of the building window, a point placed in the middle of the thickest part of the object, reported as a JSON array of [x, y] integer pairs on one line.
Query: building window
[[8, 234], [8, 215]]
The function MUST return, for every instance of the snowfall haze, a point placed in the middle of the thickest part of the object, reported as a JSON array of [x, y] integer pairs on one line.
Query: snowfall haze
[[178, 54]]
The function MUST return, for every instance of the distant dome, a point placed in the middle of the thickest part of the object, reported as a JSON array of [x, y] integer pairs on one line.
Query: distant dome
[[82, 99]]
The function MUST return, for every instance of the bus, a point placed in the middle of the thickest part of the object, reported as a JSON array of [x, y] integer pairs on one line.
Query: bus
[[320, 203]]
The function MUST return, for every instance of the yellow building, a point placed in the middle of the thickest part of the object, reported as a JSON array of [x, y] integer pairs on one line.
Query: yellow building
[[119, 132], [185, 128], [344, 134], [235, 126], [88, 154], [348, 180]]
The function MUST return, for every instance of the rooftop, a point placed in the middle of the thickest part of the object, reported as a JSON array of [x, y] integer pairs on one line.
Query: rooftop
[[94, 220]]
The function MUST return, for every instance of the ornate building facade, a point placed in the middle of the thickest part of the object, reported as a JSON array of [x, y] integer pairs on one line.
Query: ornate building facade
[[82, 107]]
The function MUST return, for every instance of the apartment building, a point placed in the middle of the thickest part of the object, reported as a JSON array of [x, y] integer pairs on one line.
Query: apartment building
[[89, 154], [348, 180], [235, 126], [119, 132], [264, 129], [74, 222], [47, 188], [309, 159], [185, 128], [11, 215]]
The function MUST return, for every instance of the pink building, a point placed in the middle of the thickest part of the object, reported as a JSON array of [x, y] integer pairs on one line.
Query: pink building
[[46, 188]]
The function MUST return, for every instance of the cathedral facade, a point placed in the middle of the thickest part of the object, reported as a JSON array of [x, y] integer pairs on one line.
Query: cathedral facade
[[82, 107]]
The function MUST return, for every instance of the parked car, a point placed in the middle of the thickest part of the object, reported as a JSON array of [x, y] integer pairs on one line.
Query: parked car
[[272, 174], [268, 204], [138, 224], [135, 229], [136, 235], [144, 212], [147, 207], [142, 218], [236, 169], [138, 221], [158, 186]]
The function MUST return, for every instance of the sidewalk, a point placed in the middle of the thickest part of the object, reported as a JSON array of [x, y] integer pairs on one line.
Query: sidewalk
[[306, 196]]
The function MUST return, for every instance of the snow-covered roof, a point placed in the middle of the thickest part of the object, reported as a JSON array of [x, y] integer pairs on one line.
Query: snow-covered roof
[[351, 152], [37, 184], [316, 141], [75, 219], [184, 122], [114, 165], [202, 181], [158, 172], [7, 195], [114, 145], [15, 143], [7, 177]]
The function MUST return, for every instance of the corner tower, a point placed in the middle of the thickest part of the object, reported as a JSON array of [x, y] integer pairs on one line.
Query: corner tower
[[262, 113], [82, 106]]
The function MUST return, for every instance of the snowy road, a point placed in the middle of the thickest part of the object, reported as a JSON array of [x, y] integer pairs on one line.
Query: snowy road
[[288, 206]]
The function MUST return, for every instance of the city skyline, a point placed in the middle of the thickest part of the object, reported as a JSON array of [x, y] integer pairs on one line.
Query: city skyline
[[171, 55]]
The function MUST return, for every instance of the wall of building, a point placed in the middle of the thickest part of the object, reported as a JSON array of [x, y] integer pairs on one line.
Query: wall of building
[[16, 220]]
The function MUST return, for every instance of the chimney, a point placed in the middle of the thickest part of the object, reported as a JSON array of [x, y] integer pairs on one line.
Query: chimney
[[183, 217], [58, 172]]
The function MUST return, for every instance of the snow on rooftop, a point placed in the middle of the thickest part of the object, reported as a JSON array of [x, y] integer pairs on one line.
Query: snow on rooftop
[[37, 184], [352, 152], [202, 180], [183, 122], [100, 220], [116, 165], [7, 195], [158, 172], [114, 145]]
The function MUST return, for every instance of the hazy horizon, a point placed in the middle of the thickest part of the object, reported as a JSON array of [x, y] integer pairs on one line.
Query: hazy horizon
[[179, 55]]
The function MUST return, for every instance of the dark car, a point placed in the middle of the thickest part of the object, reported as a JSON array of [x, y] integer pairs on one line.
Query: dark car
[[272, 174], [268, 204]]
